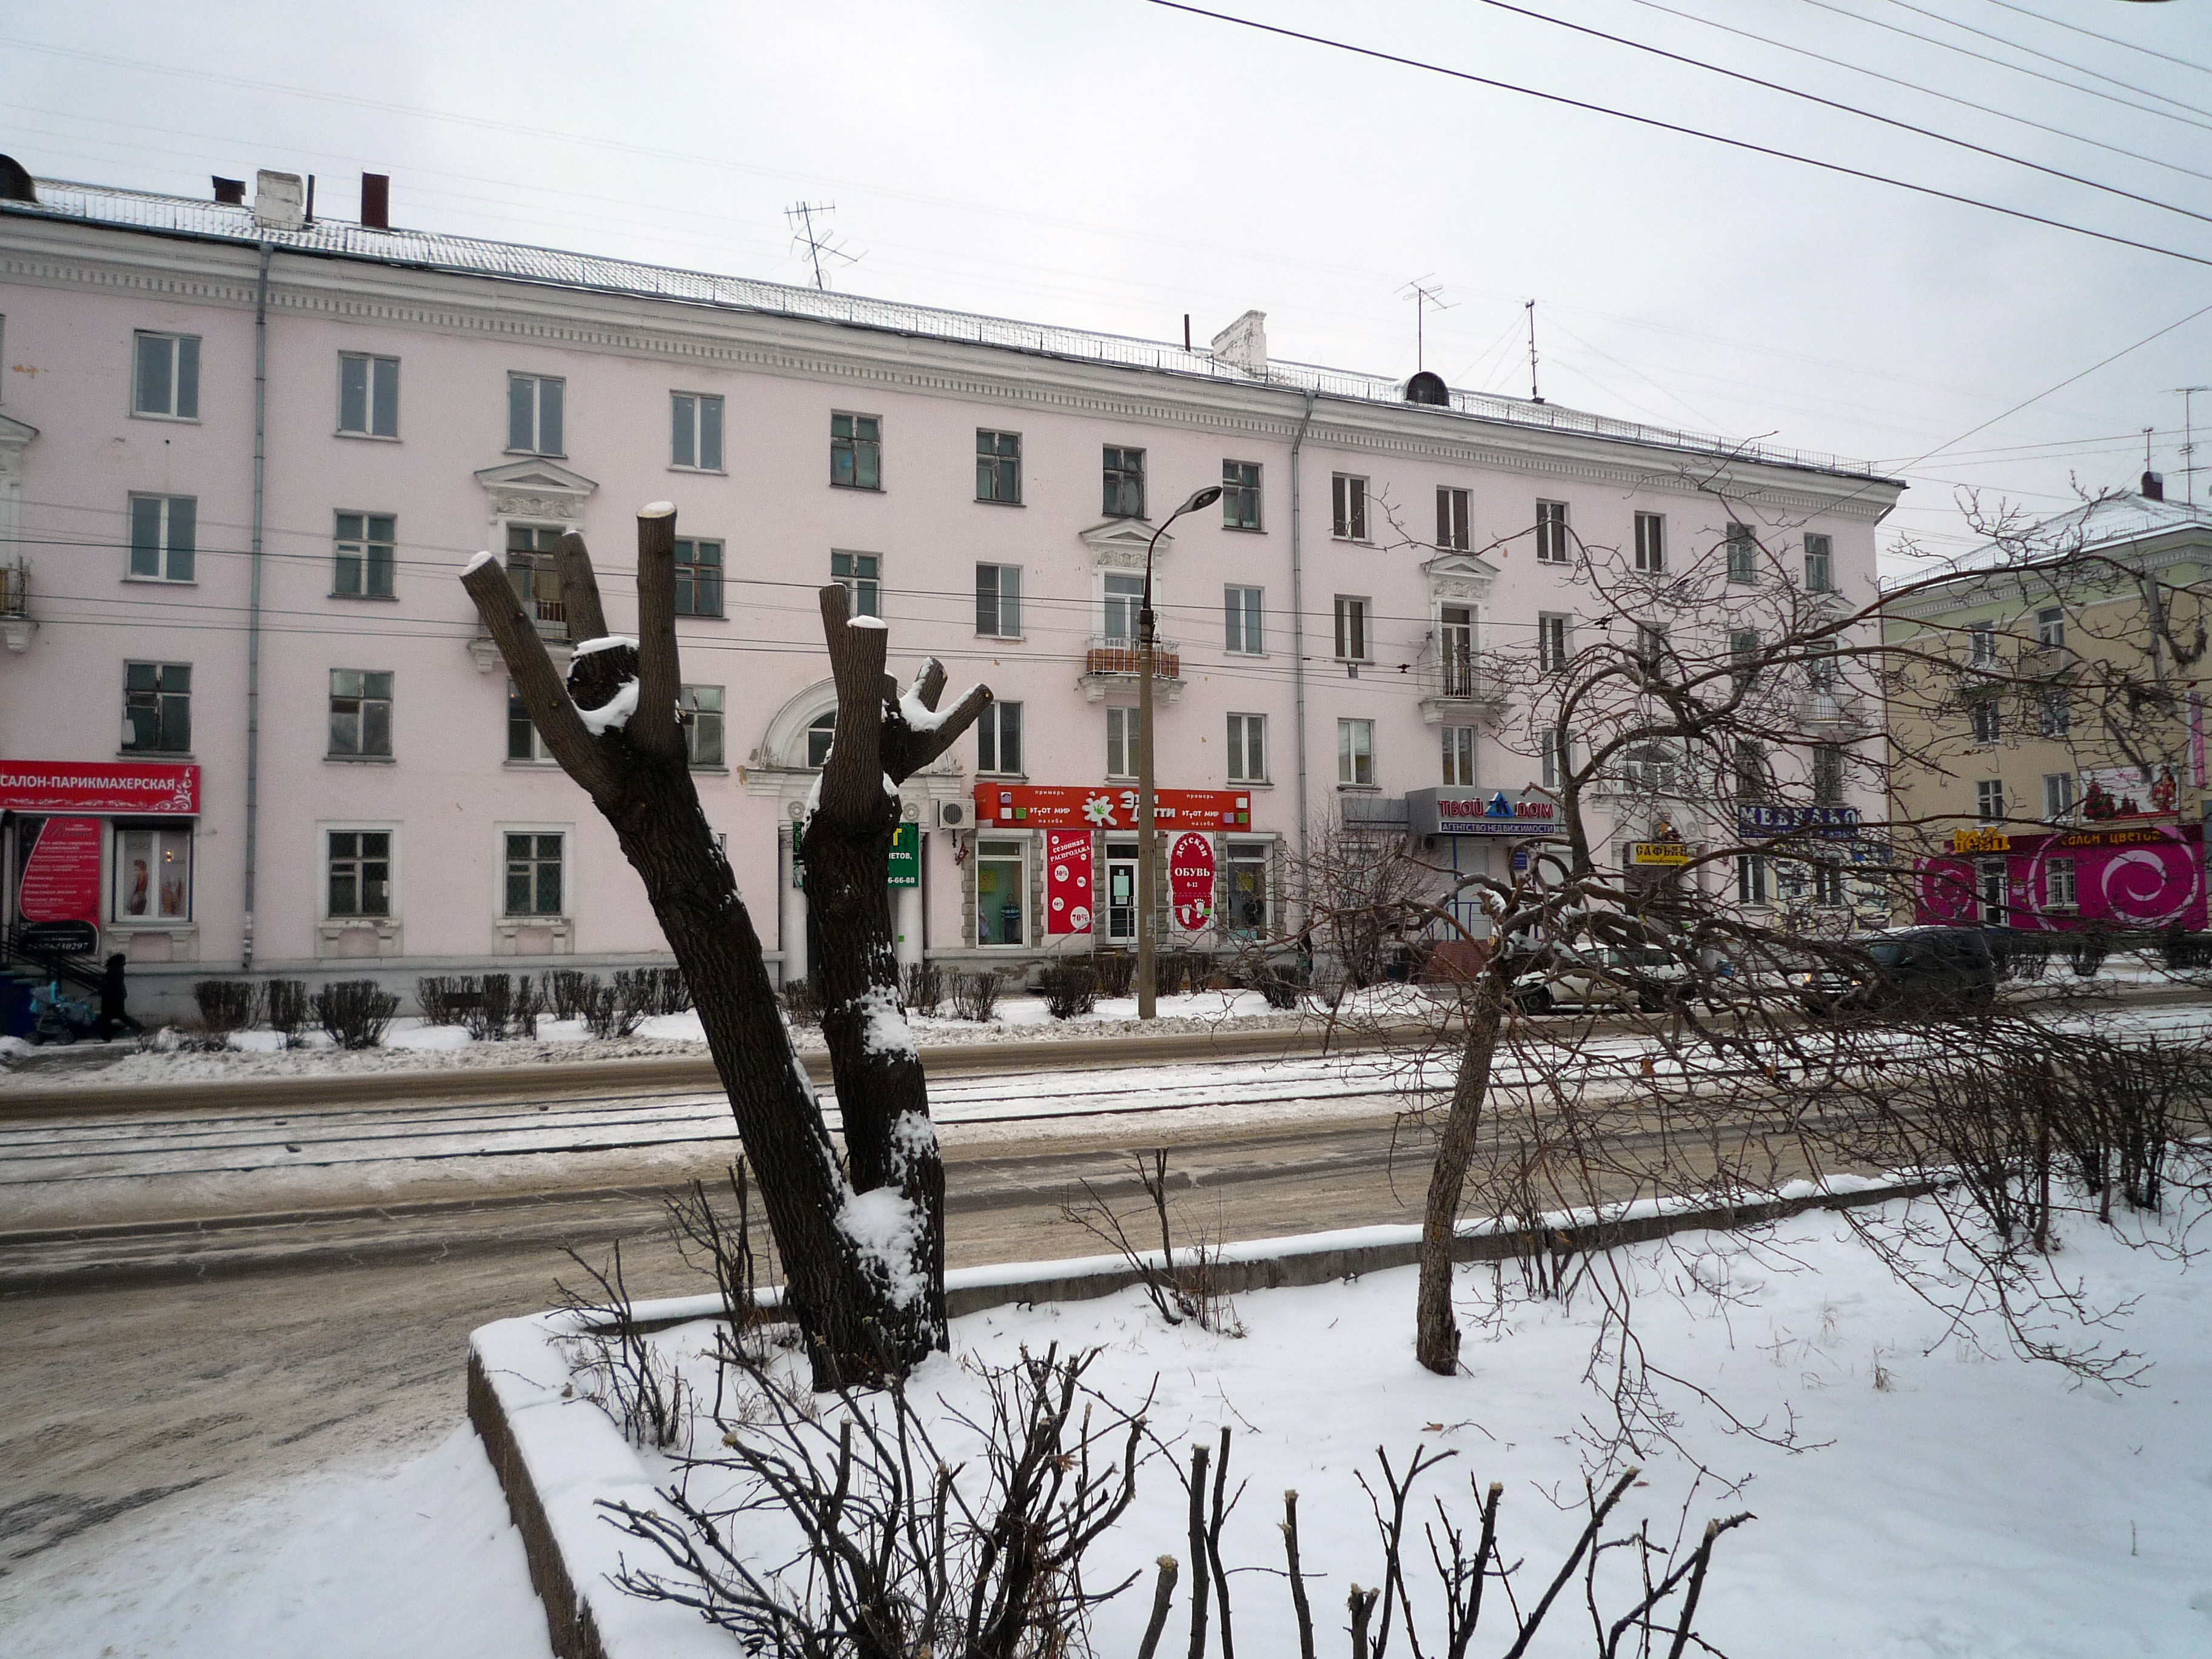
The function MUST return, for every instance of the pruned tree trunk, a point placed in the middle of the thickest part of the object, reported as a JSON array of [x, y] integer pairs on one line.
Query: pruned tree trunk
[[634, 767], [1435, 1339]]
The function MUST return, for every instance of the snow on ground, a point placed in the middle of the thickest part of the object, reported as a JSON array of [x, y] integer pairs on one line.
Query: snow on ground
[[419, 1560], [1950, 1499]]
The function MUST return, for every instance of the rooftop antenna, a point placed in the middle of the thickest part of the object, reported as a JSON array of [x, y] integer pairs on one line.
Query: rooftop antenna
[[1423, 296], [2188, 395], [1533, 396], [818, 244]]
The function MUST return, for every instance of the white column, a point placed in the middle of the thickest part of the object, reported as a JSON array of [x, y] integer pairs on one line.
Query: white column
[[906, 925], [791, 904]]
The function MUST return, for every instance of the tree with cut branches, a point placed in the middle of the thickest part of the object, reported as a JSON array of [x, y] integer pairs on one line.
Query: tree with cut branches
[[861, 1240]]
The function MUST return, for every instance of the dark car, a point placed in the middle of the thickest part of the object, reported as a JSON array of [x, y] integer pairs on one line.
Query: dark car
[[1943, 972]]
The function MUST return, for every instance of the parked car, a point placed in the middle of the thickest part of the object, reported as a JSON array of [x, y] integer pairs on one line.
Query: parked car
[[1941, 972], [1612, 976]]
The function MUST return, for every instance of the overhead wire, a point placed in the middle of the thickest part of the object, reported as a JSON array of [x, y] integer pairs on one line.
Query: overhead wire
[[2109, 40], [2007, 41]]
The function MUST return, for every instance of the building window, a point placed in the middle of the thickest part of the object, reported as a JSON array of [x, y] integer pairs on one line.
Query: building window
[[819, 736], [1749, 764], [358, 865], [1351, 630], [1248, 748], [1456, 650], [1750, 878], [1125, 483], [1000, 892], [368, 396], [999, 467], [1981, 644], [698, 578], [856, 451], [1651, 542], [999, 601], [698, 439], [523, 741], [1124, 598], [1240, 494], [1553, 762], [860, 574], [1241, 609], [1121, 728], [153, 873], [1452, 516], [1820, 565], [1551, 532], [2059, 891], [533, 875], [1459, 756], [1987, 723], [1743, 656], [1828, 883], [166, 380], [361, 712], [2050, 626], [2057, 795], [367, 544], [157, 707], [162, 538], [699, 708], [1989, 877], [533, 413], [1551, 642], [999, 739], [1989, 800], [1650, 767], [1349, 498], [530, 571], [1651, 646], [2054, 715], [1742, 554], [1355, 753], [1244, 891], [1827, 774]]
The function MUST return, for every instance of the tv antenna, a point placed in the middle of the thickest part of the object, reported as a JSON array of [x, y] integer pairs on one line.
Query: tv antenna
[[1424, 296], [818, 244], [1533, 397], [2188, 395]]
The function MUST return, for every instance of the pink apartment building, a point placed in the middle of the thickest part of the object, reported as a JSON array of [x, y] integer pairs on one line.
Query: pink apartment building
[[249, 722]]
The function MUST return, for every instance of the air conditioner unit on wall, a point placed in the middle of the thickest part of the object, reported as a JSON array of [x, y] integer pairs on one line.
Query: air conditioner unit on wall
[[951, 815]]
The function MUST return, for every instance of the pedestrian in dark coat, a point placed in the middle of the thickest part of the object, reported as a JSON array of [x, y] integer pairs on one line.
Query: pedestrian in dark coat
[[112, 994]]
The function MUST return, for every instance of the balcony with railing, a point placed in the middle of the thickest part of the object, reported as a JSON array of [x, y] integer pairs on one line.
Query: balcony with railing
[[1827, 710], [15, 624], [1459, 688], [550, 617], [1115, 662]]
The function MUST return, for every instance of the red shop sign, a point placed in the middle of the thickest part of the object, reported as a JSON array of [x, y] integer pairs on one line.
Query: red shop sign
[[61, 878], [1190, 881], [1052, 806], [28, 785], [1067, 881]]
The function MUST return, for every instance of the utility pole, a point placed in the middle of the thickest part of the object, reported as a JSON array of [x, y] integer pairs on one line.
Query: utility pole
[[2188, 396], [1533, 396]]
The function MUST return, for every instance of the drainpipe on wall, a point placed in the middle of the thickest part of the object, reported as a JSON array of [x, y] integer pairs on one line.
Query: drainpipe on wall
[[253, 599], [1298, 635]]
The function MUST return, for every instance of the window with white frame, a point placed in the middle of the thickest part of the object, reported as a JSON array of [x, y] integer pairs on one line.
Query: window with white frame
[[2054, 715], [698, 578], [1742, 554], [1244, 888], [165, 381], [861, 575], [1751, 882], [1551, 532], [1121, 605], [821, 734], [1827, 774], [1352, 640], [1001, 892], [1981, 644], [1989, 879], [153, 872], [699, 708], [1122, 470], [533, 413], [1554, 762], [999, 601], [1987, 723], [361, 714], [2058, 889], [696, 441], [531, 571], [1459, 756], [1820, 565], [999, 467], [523, 742], [368, 396], [1456, 650], [1452, 513], [1242, 610], [1248, 748], [2050, 626], [1551, 641], [164, 538], [1651, 542], [1348, 496], [2057, 795], [365, 553], [535, 865], [357, 872], [1121, 728], [1828, 883], [1652, 646], [1743, 656], [1652, 768], [999, 739], [1240, 494], [1355, 754], [157, 708], [1990, 799], [856, 451], [1749, 762]]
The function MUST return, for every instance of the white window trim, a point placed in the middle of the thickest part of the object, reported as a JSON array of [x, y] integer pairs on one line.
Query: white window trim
[[1374, 769], [1366, 536], [999, 775], [537, 414], [1098, 575], [975, 896], [674, 392], [130, 379], [1021, 593], [506, 928], [341, 430], [1130, 714], [390, 932], [1264, 631], [1266, 751], [1366, 604]]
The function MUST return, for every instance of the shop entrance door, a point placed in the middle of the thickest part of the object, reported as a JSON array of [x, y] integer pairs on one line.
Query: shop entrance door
[[1122, 892]]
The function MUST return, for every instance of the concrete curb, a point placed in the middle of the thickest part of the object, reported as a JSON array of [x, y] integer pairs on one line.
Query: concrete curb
[[1264, 1264]]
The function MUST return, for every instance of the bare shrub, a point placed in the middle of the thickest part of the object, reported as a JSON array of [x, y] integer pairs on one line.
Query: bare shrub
[[225, 1005], [445, 998], [355, 1011], [612, 1010], [494, 1009], [565, 990], [626, 1376], [802, 1000], [1116, 970], [925, 989], [522, 1015], [1190, 1290], [976, 996], [1069, 988], [1279, 984], [285, 1002], [721, 1246]]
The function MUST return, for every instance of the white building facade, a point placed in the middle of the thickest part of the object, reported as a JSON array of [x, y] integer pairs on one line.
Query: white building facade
[[250, 716]]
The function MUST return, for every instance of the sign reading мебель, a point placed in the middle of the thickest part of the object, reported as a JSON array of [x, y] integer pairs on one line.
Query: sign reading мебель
[[1460, 811]]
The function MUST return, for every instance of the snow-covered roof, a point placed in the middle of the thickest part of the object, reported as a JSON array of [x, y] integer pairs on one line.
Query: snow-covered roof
[[178, 215], [2112, 521]]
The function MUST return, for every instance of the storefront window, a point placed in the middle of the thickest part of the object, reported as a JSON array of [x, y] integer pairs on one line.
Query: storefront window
[[1247, 887], [1000, 892], [153, 874]]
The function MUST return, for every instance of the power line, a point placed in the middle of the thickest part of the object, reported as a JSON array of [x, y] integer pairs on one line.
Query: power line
[[2109, 40], [2007, 41], [1674, 127]]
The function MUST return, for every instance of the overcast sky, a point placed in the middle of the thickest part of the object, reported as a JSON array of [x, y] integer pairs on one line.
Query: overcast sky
[[1113, 165]]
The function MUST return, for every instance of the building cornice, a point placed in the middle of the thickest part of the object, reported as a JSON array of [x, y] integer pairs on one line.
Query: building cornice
[[1970, 590]]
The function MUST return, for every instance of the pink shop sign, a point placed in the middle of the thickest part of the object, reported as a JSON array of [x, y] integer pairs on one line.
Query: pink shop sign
[[2146, 877]]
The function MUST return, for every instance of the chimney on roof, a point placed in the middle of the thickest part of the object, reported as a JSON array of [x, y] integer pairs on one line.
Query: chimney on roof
[[2154, 487], [1243, 343], [15, 183], [376, 200], [280, 200], [229, 190]]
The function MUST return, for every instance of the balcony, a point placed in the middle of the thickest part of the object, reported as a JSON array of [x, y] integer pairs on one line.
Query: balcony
[[551, 617], [1112, 662], [1831, 711], [15, 624], [1459, 688]]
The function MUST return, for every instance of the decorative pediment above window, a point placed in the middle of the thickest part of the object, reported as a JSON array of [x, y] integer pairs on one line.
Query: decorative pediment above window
[[1460, 577], [535, 488], [1120, 543]]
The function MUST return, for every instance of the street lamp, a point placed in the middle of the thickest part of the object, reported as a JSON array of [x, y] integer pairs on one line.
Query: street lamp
[[1148, 864]]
